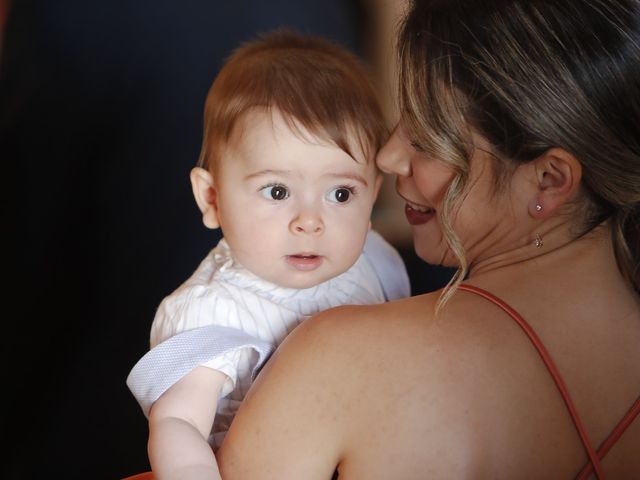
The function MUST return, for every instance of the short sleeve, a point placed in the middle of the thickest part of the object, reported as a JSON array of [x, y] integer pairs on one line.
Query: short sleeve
[[235, 363], [165, 364]]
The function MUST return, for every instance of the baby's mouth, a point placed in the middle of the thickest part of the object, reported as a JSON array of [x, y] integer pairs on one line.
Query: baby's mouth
[[304, 261]]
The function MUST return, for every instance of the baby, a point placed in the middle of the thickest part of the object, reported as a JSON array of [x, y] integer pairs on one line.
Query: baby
[[287, 171]]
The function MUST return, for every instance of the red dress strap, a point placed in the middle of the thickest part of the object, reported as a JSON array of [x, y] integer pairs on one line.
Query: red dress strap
[[613, 437], [551, 367]]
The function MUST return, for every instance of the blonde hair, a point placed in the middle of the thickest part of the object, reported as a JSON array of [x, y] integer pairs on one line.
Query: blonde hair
[[530, 75], [311, 81]]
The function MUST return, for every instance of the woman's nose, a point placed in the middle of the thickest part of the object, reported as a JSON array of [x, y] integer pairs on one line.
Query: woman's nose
[[307, 222], [394, 156]]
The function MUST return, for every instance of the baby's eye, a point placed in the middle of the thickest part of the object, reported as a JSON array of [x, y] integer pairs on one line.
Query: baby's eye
[[275, 192], [340, 194]]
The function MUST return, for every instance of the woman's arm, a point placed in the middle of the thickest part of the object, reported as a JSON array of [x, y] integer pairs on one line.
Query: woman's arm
[[291, 424], [179, 425]]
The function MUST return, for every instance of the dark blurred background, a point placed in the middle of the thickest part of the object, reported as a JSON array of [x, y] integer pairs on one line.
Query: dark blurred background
[[100, 123]]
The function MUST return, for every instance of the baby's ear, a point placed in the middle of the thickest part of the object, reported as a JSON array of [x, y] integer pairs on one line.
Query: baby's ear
[[205, 193]]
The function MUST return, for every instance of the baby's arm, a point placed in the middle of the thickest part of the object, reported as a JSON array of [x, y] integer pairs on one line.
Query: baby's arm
[[179, 425]]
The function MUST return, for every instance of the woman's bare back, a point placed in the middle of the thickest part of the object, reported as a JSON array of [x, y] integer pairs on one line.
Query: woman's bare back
[[473, 397]]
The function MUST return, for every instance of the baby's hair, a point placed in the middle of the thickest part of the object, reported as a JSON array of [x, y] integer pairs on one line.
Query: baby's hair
[[530, 75], [311, 81]]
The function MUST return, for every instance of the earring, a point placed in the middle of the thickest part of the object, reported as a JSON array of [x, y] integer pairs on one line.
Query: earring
[[537, 242], [538, 207]]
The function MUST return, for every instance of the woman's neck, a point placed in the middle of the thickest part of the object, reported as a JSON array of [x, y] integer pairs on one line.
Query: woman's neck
[[560, 250]]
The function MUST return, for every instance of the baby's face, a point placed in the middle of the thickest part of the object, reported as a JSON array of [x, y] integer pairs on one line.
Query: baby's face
[[295, 212]]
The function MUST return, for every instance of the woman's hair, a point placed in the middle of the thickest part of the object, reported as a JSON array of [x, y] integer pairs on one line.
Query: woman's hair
[[530, 75], [313, 83]]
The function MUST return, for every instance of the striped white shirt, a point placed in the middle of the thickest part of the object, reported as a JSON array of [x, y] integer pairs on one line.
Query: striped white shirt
[[226, 318]]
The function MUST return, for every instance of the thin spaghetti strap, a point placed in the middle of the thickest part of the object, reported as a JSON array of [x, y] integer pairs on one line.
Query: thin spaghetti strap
[[613, 437], [551, 367]]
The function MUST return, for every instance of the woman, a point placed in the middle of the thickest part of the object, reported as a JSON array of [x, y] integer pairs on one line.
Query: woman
[[518, 156]]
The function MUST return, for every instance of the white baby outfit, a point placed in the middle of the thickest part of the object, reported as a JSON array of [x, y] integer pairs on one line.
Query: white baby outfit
[[226, 318]]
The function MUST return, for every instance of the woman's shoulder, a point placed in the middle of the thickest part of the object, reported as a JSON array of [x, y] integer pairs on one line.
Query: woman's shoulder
[[406, 323], [404, 343], [460, 380], [394, 391]]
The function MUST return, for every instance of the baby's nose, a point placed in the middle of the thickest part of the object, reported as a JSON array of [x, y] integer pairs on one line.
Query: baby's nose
[[307, 223]]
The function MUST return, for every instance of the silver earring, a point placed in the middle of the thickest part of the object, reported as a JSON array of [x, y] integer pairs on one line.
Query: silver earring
[[538, 207], [537, 242]]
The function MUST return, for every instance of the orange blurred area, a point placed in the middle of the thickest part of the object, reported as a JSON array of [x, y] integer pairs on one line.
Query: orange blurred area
[[4, 11]]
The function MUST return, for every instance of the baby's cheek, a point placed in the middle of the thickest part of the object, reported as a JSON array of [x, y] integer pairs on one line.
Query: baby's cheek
[[350, 246]]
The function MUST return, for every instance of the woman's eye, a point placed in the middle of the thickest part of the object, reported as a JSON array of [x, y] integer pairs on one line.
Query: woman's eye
[[275, 192], [339, 195]]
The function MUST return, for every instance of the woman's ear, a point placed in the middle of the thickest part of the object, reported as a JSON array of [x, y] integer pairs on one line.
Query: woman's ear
[[205, 193], [558, 175]]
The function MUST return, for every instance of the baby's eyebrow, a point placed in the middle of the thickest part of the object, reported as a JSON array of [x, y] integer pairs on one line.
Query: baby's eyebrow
[[269, 171], [350, 175], [288, 173]]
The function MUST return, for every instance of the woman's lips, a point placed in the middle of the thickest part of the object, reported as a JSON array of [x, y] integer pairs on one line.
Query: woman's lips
[[418, 215], [304, 262]]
